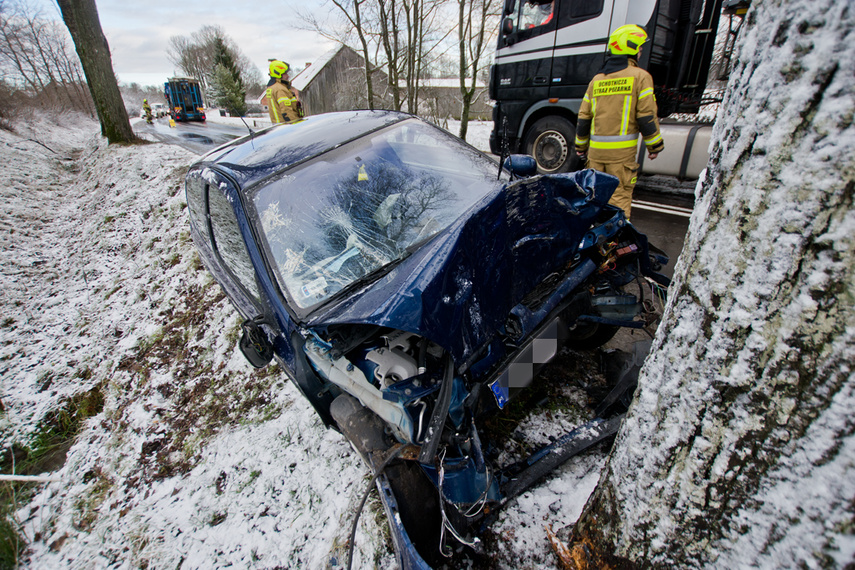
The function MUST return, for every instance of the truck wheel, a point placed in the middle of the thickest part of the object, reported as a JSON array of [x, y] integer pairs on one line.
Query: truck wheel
[[551, 141]]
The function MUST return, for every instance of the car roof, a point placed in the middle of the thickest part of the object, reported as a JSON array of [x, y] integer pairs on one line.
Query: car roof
[[254, 157]]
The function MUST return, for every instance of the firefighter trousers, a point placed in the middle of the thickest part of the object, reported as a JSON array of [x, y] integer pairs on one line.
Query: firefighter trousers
[[627, 174]]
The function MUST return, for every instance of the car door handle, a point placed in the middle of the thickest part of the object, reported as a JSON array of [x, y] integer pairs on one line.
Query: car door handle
[[540, 80]]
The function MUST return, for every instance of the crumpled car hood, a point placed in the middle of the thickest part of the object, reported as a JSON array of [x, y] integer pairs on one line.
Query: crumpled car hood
[[458, 289]]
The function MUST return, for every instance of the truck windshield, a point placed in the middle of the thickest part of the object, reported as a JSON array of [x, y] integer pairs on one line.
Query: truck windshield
[[345, 214]]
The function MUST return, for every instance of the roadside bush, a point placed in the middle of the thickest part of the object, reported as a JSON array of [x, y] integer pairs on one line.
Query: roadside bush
[[13, 103], [17, 104], [46, 453]]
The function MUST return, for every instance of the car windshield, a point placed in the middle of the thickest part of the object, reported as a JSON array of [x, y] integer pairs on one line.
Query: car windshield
[[351, 211]]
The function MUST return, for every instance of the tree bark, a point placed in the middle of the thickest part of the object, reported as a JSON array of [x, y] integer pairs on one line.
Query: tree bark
[[738, 450], [81, 18], [463, 33]]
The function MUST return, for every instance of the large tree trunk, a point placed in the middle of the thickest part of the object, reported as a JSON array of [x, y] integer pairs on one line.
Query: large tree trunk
[[738, 450], [81, 18]]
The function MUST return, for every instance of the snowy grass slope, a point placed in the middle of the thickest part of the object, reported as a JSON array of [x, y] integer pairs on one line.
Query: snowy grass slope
[[196, 460], [105, 279]]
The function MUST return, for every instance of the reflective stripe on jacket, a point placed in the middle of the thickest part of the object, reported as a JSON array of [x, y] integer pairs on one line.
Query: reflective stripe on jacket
[[616, 108], [281, 103]]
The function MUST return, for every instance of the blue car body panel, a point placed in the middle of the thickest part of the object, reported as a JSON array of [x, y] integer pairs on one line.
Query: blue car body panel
[[458, 289]]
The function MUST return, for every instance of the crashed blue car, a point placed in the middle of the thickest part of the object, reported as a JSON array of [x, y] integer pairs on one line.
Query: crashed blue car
[[411, 288]]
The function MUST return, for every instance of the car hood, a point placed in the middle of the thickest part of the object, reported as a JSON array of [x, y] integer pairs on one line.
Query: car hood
[[458, 289]]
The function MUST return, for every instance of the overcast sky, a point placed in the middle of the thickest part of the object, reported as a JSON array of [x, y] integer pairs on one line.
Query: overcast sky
[[139, 32]]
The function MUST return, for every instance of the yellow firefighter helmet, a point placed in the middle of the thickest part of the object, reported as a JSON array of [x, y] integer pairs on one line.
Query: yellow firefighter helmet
[[278, 68], [627, 40]]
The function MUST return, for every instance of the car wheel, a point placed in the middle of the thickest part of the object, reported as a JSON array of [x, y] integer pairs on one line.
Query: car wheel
[[588, 336], [551, 141]]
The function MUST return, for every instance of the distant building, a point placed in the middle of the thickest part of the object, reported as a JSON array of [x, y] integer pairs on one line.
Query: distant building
[[441, 98], [336, 82]]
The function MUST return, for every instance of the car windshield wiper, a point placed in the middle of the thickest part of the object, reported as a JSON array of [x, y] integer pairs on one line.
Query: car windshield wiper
[[417, 244]]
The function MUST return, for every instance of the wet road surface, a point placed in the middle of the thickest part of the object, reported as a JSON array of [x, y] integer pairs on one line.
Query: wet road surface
[[197, 137], [664, 218]]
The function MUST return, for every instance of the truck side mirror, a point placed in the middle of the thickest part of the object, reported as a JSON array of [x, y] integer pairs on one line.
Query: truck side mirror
[[508, 7], [507, 26], [254, 343]]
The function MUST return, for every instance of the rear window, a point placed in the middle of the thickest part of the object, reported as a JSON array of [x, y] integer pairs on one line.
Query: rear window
[[350, 212]]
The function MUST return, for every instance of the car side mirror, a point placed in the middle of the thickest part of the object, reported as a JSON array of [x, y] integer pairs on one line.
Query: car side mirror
[[254, 343], [507, 26], [521, 165]]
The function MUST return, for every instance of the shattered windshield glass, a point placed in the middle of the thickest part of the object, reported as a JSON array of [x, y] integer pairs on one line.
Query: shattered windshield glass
[[349, 212]]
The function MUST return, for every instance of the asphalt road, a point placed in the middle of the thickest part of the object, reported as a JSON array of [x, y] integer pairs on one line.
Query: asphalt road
[[664, 218], [198, 137]]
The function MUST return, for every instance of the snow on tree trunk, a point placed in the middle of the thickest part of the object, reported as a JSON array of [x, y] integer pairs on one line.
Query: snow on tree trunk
[[738, 450]]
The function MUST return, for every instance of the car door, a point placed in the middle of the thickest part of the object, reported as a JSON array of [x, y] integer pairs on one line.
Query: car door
[[524, 58], [580, 45]]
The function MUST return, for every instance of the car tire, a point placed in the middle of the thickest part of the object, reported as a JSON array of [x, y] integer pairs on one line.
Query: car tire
[[588, 336], [552, 143]]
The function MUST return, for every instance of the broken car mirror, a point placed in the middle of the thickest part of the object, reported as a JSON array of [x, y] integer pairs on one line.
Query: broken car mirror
[[254, 343], [521, 165]]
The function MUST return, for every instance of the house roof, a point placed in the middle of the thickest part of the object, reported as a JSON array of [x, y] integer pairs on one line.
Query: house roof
[[302, 79]]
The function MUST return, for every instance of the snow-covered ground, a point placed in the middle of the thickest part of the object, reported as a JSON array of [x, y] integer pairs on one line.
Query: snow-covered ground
[[195, 460]]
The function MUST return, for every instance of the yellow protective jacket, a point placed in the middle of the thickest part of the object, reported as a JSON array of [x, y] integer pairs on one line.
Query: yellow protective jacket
[[617, 107], [282, 104]]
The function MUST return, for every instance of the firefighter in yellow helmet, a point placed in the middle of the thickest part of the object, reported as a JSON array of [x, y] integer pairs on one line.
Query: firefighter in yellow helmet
[[281, 100], [618, 105], [147, 110]]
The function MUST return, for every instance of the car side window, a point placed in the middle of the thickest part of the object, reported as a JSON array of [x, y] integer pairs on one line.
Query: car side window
[[228, 242], [194, 189]]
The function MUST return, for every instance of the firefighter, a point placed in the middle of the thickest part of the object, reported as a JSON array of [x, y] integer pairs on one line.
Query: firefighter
[[281, 100], [618, 105], [147, 108]]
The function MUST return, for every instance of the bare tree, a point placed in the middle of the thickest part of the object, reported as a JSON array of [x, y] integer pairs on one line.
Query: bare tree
[[196, 56], [738, 450], [34, 54], [400, 36], [389, 34], [355, 18], [474, 19], [424, 38], [81, 18], [189, 57]]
